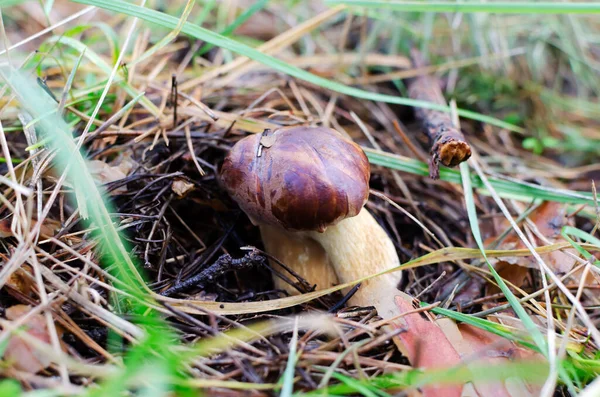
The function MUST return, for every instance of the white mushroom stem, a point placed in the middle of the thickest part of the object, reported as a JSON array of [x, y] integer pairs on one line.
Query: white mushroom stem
[[301, 254], [356, 247]]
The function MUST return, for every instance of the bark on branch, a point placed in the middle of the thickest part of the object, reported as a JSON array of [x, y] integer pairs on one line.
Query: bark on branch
[[448, 144]]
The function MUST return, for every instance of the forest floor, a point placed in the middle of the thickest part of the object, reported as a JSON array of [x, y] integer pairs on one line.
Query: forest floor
[[115, 120]]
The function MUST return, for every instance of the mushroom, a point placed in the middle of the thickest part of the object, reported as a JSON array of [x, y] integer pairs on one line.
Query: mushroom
[[299, 183]]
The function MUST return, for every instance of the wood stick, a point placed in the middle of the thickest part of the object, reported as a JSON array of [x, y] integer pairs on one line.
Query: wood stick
[[448, 145]]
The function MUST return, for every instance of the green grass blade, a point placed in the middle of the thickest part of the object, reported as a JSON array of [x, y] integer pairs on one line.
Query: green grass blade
[[497, 7], [172, 35], [535, 333], [10, 387], [485, 325], [69, 84], [35, 100], [97, 60], [360, 387], [287, 387], [568, 231], [534, 372], [155, 345], [48, 7], [507, 189], [243, 17], [6, 3], [200, 33]]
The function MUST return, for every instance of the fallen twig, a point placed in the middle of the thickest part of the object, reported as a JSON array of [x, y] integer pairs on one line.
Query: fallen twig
[[224, 264], [448, 144]]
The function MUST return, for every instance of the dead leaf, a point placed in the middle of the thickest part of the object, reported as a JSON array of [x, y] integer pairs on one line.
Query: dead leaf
[[5, 230], [549, 218], [21, 280], [48, 228], [485, 348], [18, 352], [104, 173], [516, 275], [481, 348], [181, 187], [471, 291], [509, 318], [262, 25], [426, 346]]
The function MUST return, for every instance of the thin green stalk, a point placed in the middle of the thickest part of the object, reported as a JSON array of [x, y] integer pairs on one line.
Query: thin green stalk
[[200, 33], [498, 7]]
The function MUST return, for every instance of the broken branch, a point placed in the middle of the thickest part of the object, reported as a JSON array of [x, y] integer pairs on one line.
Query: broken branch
[[448, 144]]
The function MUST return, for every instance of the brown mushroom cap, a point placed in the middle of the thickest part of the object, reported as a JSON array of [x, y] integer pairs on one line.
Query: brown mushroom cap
[[305, 178]]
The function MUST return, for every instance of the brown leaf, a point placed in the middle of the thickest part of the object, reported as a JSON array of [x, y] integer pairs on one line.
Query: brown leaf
[[486, 348], [106, 173], [516, 275], [471, 291], [5, 230], [262, 25], [549, 218], [181, 187], [18, 352], [427, 347], [48, 228], [21, 280]]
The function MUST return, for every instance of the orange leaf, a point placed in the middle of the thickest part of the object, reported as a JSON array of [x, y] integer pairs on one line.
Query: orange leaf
[[18, 352], [427, 347], [483, 348]]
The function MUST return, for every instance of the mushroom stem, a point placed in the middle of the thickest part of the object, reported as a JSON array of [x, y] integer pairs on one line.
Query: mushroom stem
[[354, 248], [301, 254], [357, 247]]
